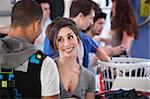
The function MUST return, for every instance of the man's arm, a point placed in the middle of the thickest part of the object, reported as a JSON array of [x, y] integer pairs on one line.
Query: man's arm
[[49, 80], [102, 55], [99, 52]]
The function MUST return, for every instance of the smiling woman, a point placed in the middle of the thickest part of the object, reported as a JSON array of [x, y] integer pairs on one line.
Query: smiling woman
[[75, 80], [66, 42]]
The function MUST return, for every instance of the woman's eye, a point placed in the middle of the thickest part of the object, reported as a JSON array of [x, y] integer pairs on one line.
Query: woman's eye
[[70, 37], [60, 40]]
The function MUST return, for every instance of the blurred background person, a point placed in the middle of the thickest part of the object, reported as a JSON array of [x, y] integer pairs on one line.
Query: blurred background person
[[95, 30], [124, 29], [45, 5], [84, 19]]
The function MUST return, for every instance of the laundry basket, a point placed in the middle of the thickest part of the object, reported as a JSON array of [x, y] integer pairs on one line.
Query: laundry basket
[[127, 70]]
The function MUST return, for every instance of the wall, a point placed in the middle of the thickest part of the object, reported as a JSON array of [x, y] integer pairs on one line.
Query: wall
[[141, 46]]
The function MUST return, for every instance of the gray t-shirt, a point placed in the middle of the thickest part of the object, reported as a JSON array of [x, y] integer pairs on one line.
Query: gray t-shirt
[[86, 84]]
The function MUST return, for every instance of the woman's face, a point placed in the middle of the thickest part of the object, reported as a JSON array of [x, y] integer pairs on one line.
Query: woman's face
[[67, 42]]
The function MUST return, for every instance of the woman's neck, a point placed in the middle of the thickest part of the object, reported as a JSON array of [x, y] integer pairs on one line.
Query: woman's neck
[[67, 63]]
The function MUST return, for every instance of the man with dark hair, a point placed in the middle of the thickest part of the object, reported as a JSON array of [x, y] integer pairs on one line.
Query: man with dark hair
[[83, 12], [26, 72], [96, 28]]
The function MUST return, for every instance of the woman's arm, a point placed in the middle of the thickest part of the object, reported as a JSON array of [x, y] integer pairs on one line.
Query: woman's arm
[[126, 44], [102, 54], [127, 40]]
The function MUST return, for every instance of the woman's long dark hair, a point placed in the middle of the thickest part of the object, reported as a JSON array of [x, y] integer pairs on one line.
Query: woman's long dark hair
[[124, 19]]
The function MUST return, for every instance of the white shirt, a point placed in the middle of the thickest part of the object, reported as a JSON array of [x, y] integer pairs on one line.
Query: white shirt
[[49, 78], [80, 53]]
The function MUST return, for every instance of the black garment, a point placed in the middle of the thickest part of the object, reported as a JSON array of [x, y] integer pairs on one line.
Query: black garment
[[125, 94], [57, 8], [122, 94], [27, 84]]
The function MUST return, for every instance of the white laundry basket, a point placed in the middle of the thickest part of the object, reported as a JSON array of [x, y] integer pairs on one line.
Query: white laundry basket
[[124, 69]]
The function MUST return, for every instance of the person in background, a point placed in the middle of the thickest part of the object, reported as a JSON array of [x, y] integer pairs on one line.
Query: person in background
[[45, 5], [75, 80], [95, 30], [84, 19], [25, 71], [124, 28], [97, 26]]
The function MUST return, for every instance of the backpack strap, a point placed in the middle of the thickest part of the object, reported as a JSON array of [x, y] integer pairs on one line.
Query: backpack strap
[[37, 58]]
